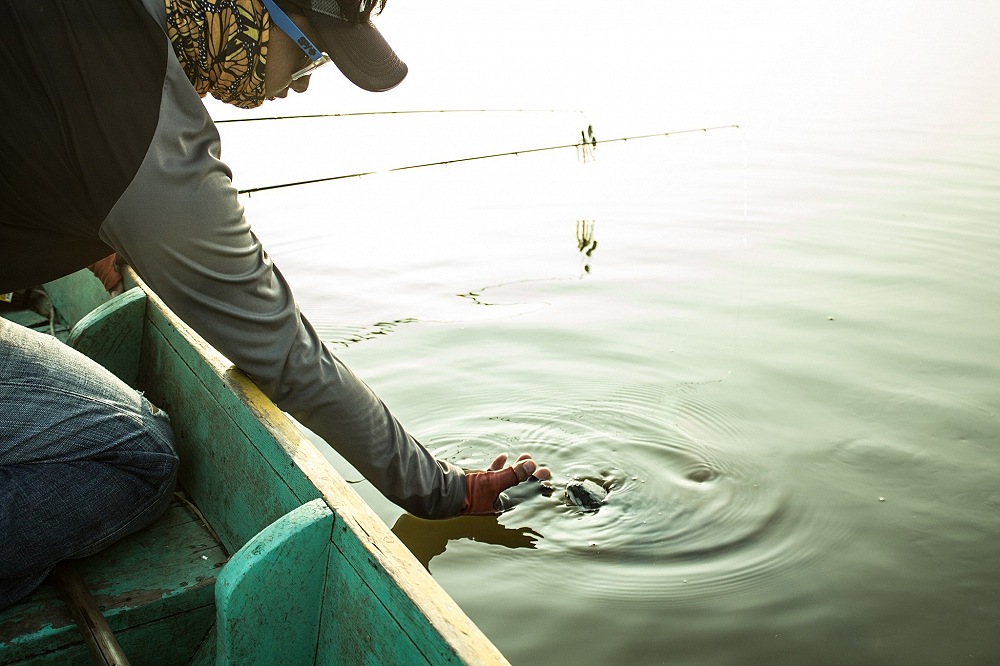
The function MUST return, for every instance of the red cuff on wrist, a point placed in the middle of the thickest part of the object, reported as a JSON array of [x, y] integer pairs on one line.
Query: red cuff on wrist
[[483, 488]]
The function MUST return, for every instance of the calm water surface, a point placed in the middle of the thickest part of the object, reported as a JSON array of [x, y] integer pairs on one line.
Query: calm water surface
[[782, 356]]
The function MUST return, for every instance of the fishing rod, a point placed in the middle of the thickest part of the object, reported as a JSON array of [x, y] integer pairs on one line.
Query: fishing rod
[[394, 113], [583, 143]]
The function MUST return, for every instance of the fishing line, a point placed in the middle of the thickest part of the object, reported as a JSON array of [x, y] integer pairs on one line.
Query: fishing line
[[394, 113], [580, 145]]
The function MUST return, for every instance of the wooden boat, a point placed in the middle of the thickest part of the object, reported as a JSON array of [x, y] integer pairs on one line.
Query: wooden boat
[[267, 557]]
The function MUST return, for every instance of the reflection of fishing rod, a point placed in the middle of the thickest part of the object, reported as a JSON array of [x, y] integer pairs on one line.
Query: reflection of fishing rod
[[394, 113], [579, 144]]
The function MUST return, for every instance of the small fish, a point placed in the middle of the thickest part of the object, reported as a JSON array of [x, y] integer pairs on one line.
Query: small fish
[[585, 494]]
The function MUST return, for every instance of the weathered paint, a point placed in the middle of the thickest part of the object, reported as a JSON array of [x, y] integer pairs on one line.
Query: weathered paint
[[411, 600], [163, 577], [414, 604], [112, 334], [76, 295], [270, 594], [247, 467]]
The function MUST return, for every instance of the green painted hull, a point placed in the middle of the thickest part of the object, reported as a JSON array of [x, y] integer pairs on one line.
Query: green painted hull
[[314, 576]]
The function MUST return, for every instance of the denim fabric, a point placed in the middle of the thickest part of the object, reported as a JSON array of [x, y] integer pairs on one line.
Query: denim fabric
[[84, 459]]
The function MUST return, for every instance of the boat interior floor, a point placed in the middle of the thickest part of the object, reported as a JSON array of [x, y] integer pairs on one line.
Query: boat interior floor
[[156, 588], [33, 310]]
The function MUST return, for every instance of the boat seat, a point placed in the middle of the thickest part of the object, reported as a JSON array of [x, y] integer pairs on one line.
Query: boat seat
[[156, 588]]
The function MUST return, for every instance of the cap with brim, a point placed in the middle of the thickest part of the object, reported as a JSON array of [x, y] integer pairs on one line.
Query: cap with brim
[[356, 47]]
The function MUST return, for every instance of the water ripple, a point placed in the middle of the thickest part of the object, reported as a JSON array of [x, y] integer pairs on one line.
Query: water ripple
[[686, 496]]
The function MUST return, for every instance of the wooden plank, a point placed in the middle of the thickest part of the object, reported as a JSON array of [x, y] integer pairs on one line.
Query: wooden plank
[[235, 445], [166, 569], [403, 595], [39, 624], [75, 295], [358, 628], [173, 644], [162, 576], [412, 614], [413, 602], [157, 645], [220, 466], [206, 652], [26, 318], [269, 595], [112, 334]]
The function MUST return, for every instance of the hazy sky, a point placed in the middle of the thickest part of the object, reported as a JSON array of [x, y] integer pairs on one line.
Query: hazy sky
[[664, 63]]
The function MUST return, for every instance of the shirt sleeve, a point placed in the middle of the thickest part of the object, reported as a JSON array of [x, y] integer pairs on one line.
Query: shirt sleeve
[[180, 225]]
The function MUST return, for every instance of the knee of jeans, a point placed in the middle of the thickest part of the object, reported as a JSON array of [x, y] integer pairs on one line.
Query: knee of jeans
[[171, 466], [157, 444]]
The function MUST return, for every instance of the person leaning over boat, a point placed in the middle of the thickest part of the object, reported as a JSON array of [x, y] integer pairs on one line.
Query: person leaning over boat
[[109, 149]]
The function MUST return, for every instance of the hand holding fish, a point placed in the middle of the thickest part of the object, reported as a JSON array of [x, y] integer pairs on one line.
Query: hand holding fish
[[483, 488]]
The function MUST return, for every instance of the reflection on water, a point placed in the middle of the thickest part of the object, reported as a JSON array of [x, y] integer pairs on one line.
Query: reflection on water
[[794, 410], [355, 334], [585, 242], [688, 497], [799, 433], [427, 539]]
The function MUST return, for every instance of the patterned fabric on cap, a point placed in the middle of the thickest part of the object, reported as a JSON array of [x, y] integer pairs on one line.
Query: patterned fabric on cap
[[222, 45]]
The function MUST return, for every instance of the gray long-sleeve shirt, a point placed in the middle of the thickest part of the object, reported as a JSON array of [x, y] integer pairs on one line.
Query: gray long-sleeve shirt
[[108, 148]]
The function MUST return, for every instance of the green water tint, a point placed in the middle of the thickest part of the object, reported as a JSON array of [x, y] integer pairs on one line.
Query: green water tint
[[784, 357]]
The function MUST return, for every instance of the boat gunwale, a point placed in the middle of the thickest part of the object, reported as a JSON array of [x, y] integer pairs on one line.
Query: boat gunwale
[[383, 549]]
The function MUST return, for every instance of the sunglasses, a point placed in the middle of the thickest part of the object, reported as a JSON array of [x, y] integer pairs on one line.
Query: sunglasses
[[317, 58]]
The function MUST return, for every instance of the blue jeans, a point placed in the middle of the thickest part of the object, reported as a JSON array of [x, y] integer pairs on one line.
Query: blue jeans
[[84, 459]]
